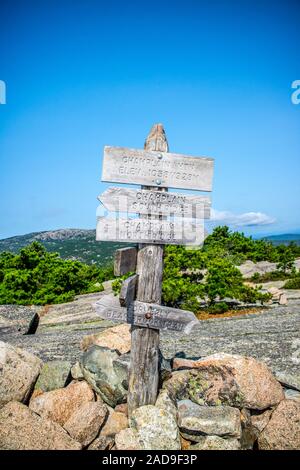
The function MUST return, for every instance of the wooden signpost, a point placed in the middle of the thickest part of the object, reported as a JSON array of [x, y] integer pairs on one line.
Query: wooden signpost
[[140, 298]]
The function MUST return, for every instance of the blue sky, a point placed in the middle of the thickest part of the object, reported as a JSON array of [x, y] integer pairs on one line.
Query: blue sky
[[82, 74]]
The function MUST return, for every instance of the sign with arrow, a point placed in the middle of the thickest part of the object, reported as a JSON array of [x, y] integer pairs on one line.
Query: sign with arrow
[[177, 232], [146, 315], [155, 203], [163, 318]]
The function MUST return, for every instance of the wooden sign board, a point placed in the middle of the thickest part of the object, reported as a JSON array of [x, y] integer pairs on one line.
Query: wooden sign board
[[159, 169], [163, 318], [125, 261], [177, 232], [146, 315], [155, 203], [108, 308]]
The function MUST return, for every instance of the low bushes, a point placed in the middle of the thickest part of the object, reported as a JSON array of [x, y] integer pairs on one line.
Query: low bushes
[[293, 283], [35, 276]]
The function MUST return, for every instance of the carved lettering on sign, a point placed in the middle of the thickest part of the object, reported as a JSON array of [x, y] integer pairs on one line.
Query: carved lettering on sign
[[163, 318], [146, 315], [155, 203], [179, 232], [108, 308], [160, 169]]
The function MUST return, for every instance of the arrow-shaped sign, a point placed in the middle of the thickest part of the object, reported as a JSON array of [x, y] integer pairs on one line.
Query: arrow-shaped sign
[[163, 318], [146, 315], [177, 232], [155, 203], [108, 308]]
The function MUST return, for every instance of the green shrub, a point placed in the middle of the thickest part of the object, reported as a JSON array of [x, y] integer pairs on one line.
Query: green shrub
[[35, 276], [117, 283], [256, 277], [286, 261], [186, 286], [220, 307], [271, 276], [223, 280], [240, 248], [250, 295], [182, 277], [184, 283], [293, 283]]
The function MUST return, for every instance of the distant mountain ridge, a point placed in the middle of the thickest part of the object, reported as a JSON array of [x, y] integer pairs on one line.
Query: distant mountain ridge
[[64, 234], [70, 243], [284, 238], [81, 244]]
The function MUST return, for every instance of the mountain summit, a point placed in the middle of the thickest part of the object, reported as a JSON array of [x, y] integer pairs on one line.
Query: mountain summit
[[70, 243]]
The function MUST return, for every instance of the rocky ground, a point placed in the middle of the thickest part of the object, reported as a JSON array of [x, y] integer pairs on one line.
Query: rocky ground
[[272, 336], [64, 381], [58, 330], [220, 402]]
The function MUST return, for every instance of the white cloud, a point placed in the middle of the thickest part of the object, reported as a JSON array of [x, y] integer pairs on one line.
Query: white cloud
[[247, 219]]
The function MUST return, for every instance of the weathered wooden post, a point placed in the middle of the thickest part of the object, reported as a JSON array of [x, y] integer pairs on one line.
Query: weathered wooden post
[[140, 299], [143, 372]]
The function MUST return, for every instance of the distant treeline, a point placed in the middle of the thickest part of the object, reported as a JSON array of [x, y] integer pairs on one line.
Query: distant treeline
[[36, 276]]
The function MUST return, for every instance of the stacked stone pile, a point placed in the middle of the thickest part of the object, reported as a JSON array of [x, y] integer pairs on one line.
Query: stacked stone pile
[[221, 402]]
